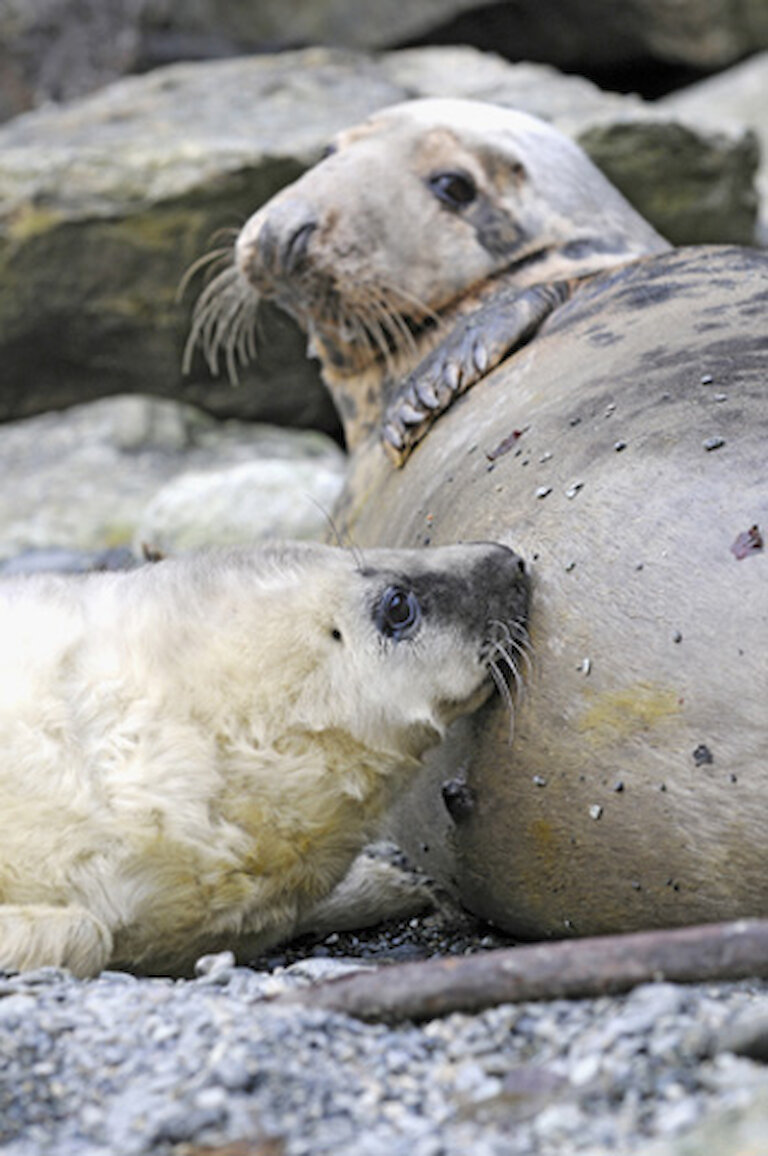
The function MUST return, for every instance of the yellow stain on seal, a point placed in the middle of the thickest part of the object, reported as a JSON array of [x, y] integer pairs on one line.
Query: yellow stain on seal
[[639, 707]]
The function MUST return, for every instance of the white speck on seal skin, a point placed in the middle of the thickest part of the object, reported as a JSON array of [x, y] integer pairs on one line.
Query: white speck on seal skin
[[595, 811], [573, 490], [713, 443], [585, 665], [543, 491]]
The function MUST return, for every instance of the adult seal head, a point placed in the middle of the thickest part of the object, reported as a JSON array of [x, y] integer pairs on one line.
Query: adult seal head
[[193, 753], [412, 220], [621, 445]]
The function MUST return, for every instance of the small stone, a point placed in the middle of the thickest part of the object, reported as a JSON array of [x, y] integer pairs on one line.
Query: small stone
[[539, 781], [706, 379], [573, 490], [713, 443], [215, 964], [543, 491], [570, 566], [585, 666], [746, 1036], [619, 445], [677, 636], [618, 786], [595, 811]]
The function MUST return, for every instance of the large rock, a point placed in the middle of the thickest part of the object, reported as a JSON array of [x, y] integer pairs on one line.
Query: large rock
[[105, 202], [91, 478], [736, 97], [58, 49]]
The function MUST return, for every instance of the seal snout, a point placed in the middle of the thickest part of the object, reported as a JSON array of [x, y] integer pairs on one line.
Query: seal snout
[[278, 244]]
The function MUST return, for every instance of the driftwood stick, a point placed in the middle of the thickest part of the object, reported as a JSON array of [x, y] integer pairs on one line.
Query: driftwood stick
[[566, 969]]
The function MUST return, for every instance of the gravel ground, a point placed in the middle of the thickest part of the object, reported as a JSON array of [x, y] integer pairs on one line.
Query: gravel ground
[[139, 1066]]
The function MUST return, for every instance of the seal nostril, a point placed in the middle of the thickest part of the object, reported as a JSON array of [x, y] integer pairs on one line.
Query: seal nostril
[[266, 244], [295, 247]]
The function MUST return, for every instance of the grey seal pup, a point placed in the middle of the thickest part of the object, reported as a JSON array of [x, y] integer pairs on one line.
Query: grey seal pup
[[193, 753]]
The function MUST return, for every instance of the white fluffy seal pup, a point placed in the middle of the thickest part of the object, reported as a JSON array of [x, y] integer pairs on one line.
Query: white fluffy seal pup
[[193, 753]]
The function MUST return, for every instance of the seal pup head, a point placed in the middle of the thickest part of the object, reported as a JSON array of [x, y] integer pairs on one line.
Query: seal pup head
[[411, 219], [385, 647]]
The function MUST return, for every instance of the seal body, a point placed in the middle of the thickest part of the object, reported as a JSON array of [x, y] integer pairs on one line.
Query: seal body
[[625, 450], [621, 444], [193, 753]]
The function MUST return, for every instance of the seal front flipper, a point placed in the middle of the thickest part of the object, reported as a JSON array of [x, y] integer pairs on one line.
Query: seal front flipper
[[470, 351]]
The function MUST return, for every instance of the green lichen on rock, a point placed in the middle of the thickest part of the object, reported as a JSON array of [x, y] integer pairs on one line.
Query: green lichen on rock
[[712, 195]]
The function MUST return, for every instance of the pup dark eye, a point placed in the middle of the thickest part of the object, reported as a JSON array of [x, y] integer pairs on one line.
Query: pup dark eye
[[398, 613], [457, 190]]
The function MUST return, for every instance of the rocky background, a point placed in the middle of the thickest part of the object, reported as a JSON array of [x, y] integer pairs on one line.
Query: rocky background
[[118, 168], [133, 131]]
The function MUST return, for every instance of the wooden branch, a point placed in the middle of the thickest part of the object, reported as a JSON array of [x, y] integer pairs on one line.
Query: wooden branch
[[566, 969]]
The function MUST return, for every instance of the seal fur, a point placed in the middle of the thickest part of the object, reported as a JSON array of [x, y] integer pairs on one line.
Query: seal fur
[[193, 753]]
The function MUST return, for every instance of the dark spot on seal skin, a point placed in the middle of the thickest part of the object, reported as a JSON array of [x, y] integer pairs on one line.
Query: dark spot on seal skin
[[641, 296], [586, 246], [459, 799], [601, 336], [702, 755], [747, 543], [496, 231]]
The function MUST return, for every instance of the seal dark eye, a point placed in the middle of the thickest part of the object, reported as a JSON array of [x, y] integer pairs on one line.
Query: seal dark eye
[[455, 189], [398, 613]]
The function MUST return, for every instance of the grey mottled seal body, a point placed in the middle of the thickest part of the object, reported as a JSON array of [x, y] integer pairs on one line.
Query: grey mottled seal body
[[193, 753], [621, 444]]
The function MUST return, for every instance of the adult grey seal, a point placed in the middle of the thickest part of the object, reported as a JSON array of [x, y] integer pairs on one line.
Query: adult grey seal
[[193, 753], [621, 445], [413, 221]]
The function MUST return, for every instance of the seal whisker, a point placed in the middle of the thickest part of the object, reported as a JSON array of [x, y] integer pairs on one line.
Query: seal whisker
[[374, 328], [223, 312], [418, 309], [403, 337], [520, 645], [221, 255], [505, 693], [509, 661]]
